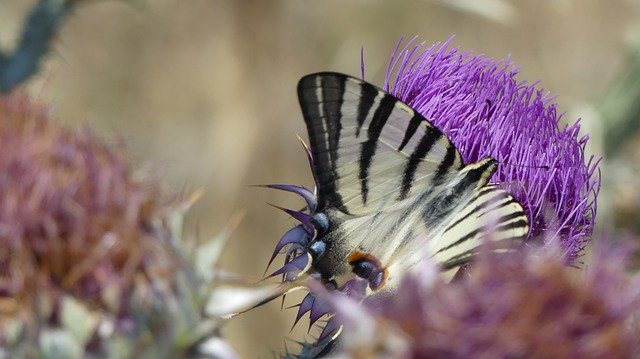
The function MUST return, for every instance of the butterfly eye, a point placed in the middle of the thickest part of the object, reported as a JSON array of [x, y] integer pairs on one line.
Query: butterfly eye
[[317, 249], [371, 272], [321, 222], [368, 267]]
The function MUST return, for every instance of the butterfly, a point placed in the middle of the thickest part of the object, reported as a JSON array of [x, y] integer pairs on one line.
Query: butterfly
[[391, 190]]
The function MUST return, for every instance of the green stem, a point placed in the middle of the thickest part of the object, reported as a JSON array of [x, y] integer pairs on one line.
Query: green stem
[[38, 32], [620, 109]]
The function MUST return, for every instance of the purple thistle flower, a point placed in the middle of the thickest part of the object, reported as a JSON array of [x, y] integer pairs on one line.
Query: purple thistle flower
[[487, 112], [520, 304]]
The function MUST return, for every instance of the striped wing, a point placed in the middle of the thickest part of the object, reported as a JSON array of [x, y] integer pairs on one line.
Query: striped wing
[[402, 238], [492, 214], [409, 194], [371, 151]]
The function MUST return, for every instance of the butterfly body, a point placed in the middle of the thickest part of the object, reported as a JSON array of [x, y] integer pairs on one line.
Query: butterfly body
[[392, 189]]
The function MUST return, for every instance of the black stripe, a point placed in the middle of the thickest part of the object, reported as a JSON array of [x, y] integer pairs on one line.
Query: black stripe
[[368, 148], [430, 137], [406, 239], [450, 264], [472, 177], [463, 239], [332, 99], [467, 255], [458, 260], [510, 240], [368, 95], [477, 209], [517, 224], [445, 165], [324, 152], [481, 192], [415, 121], [510, 216], [507, 226], [406, 214], [447, 200]]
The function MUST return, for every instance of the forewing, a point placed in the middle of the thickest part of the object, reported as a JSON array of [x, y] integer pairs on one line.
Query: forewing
[[371, 151]]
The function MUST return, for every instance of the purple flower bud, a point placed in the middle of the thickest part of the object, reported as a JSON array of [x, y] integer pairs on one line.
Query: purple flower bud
[[92, 262]]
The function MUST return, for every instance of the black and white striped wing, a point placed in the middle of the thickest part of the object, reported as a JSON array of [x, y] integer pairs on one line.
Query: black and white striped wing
[[371, 151], [404, 182], [401, 238], [492, 213]]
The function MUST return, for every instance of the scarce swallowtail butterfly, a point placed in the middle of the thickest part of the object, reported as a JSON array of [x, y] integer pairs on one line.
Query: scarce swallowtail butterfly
[[391, 190]]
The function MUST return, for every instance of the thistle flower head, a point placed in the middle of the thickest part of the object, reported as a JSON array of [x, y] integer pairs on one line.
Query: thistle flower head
[[520, 304], [487, 112], [73, 215], [93, 261]]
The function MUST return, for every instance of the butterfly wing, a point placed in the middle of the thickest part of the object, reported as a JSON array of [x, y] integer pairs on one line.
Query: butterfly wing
[[371, 151], [399, 188], [492, 213], [401, 238]]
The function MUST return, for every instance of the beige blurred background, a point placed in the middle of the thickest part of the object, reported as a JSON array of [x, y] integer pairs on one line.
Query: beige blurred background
[[203, 92]]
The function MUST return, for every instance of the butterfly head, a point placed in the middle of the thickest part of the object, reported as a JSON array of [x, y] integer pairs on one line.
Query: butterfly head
[[313, 251]]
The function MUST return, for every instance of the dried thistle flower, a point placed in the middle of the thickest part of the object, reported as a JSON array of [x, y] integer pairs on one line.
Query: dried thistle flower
[[93, 260], [74, 216]]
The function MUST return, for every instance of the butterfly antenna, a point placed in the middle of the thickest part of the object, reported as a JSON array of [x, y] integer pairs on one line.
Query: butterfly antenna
[[362, 62], [544, 167]]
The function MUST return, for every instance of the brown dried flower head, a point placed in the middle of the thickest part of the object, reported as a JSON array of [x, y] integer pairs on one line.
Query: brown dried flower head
[[74, 217]]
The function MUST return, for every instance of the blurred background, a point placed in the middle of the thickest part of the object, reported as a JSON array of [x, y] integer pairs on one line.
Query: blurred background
[[203, 93]]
